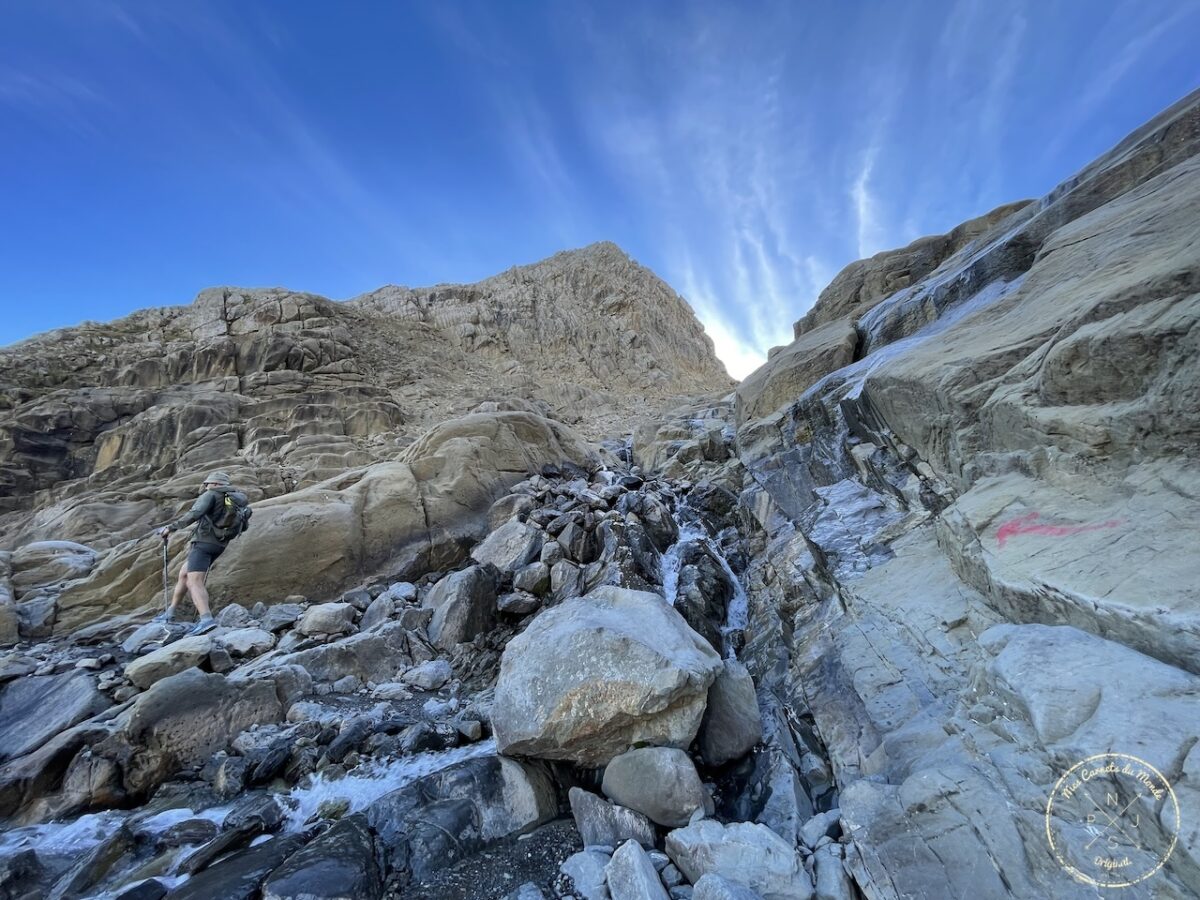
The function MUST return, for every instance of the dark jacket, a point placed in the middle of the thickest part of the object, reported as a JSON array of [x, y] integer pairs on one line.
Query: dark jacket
[[202, 512]]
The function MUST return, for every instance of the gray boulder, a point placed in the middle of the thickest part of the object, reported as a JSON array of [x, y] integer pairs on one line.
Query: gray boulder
[[463, 604], [586, 871], [660, 782], [429, 675], [601, 823], [749, 854], [169, 660], [595, 675], [281, 615], [510, 547], [185, 718], [731, 725], [381, 609], [533, 578], [631, 876], [518, 603], [327, 618]]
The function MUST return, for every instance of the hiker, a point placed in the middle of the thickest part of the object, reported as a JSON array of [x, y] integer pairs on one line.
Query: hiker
[[220, 514]]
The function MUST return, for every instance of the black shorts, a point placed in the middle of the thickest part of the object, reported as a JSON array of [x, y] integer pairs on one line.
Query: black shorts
[[201, 556]]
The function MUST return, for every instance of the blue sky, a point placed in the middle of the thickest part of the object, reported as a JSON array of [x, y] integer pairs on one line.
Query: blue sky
[[744, 151]]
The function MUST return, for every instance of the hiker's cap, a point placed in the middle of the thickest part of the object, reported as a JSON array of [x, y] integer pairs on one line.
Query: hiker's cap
[[221, 478]]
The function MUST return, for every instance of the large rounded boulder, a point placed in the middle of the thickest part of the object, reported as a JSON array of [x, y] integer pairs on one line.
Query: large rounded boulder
[[597, 674]]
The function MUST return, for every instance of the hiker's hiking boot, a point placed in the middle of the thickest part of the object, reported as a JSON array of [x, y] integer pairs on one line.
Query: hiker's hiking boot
[[206, 623], [166, 617]]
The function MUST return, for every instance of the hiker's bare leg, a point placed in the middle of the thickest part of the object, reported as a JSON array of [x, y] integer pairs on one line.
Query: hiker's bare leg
[[180, 587], [195, 586]]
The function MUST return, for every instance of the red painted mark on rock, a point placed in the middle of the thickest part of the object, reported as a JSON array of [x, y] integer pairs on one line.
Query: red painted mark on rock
[[1028, 524]]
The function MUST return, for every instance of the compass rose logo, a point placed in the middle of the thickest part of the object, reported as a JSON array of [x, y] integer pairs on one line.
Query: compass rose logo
[[1112, 820]]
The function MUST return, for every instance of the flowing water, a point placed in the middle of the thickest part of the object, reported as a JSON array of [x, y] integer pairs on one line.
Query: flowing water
[[59, 844], [692, 531]]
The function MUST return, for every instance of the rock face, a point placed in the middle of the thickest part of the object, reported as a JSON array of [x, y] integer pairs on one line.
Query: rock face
[[972, 537], [593, 676], [289, 389], [410, 515]]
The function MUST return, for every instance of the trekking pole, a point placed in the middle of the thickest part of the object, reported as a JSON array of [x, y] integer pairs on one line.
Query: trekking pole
[[166, 588]]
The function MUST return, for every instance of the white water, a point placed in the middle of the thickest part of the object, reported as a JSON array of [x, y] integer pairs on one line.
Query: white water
[[359, 788], [671, 559], [737, 611], [370, 781], [82, 834]]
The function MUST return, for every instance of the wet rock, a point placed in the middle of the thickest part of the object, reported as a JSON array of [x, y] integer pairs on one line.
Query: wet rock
[[746, 853], [435, 820], [602, 823], [631, 876], [428, 676], [150, 889], [463, 604], [660, 782], [169, 660], [586, 870], [19, 872], [92, 866], [230, 778], [353, 732], [703, 591], [327, 619], [239, 876], [34, 709], [189, 831], [715, 887], [632, 670], [510, 547], [341, 863], [732, 724]]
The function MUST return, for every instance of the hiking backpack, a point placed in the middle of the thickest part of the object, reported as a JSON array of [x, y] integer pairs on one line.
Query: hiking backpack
[[232, 517]]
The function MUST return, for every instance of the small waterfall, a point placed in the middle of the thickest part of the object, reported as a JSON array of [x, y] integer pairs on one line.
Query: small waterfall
[[371, 780], [688, 533], [691, 530]]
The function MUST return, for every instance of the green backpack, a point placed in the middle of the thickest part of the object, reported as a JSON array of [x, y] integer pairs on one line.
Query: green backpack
[[232, 517]]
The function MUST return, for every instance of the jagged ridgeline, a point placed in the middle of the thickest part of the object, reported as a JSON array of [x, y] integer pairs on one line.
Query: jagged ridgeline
[[536, 602]]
